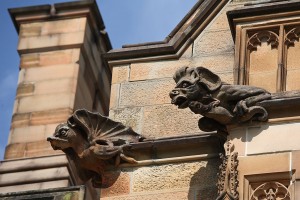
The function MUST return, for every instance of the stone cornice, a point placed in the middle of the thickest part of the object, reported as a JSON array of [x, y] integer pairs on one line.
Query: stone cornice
[[59, 11], [177, 41]]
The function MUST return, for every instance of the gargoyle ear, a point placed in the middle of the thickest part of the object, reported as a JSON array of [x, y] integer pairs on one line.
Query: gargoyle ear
[[208, 79]]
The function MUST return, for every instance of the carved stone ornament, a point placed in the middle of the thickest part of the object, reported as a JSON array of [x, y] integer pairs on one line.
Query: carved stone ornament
[[219, 103], [271, 191], [94, 143], [268, 36], [292, 36], [228, 174]]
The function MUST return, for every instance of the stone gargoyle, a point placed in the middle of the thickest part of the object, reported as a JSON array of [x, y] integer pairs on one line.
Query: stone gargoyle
[[219, 103], [95, 143]]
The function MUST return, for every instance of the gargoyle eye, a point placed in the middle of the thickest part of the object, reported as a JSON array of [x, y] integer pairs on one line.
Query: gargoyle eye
[[63, 132], [185, 84]]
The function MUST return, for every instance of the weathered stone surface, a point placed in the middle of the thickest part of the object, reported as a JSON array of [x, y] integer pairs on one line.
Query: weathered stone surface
[[25, 89], [120, 74], [260, 164], [221, 21], [168, 120], [131, 116], [215, 42], [51, 72], [166, 195], [35, 186], [59, 57], [56, 40], [39, 148], [143, 93], [120, 187], [174, 176], [52, 27], [38, 175], [46, 102], [114, 96], [26, 134], [206, 194], [15, 150], [63, 85], [218, 64], [155, 70], [296, 163]]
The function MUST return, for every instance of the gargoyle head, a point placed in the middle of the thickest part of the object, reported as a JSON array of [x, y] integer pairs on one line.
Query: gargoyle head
[[94, 142], [193, 84]]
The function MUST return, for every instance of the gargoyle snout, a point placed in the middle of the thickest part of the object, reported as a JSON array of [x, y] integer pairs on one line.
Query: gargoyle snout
[[173, 93], [49, 139]]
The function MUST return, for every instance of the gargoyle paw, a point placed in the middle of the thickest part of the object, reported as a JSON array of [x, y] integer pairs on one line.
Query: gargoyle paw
[[128, 159]]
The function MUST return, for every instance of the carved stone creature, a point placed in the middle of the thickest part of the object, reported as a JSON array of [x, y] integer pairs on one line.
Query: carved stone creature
[[94, 143], [220, 103]]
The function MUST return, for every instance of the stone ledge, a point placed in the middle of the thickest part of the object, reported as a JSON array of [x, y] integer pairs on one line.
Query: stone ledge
[[75, 192], [283, 105], [171, 149]]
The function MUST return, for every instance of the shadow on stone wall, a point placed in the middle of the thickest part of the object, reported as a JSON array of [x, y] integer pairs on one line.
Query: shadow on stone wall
[[203, 183]]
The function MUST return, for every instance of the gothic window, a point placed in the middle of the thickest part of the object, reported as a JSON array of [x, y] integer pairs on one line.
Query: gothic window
[[271, 57], [267, 47]]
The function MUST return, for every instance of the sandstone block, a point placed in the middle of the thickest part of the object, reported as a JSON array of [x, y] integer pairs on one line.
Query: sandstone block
[[63, 26], [296, 163], [35, 186], [155, 70], [25, 89], [221, 21], [121, 186], [146, 92], [19, 120], [30, 29], [46, 102], [216, 63], [52, 86], [51, 72], [26, 134], [260, 164], [168, 120], [49, 58], [14, 150], [166, 195], [283, 138], [114, 96], [50, 116], [215, 42], [131, 116], [174, 176], [120, 74], [34, 176], [55, 40]]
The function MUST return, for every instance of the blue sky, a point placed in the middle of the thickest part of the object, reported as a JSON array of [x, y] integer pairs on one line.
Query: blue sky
[[126, 21]]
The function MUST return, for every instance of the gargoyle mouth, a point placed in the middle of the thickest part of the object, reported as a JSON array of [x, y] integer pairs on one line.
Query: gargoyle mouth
[[181, 101], [57, 142]]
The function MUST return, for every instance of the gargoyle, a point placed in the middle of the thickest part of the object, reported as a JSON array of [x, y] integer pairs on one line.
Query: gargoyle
[[219, 103], [94, 143]]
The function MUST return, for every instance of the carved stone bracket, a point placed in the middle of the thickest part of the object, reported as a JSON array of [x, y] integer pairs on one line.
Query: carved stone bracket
[[271, 191], [94, 142], [227, 176], [255, 40], [292, 36]]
